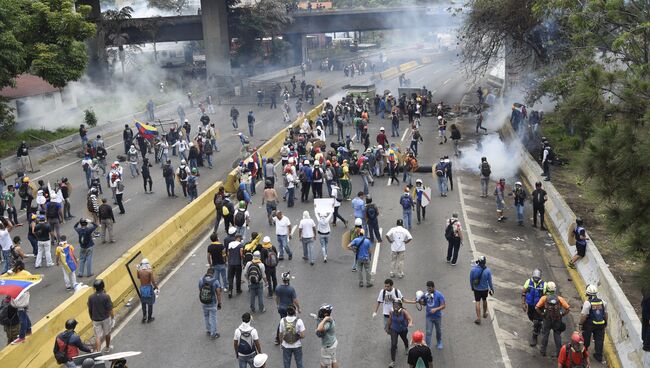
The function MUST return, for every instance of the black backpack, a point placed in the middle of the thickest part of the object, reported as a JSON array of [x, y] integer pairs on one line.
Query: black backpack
[[240, 194], [182, 173], [317, 174], [167, 171], [22, 190], [449, 231], [205, 293], [254, 274], [7, 316], [52, 212], [207, 148], [240, 218], [485, 169], [371, 211]]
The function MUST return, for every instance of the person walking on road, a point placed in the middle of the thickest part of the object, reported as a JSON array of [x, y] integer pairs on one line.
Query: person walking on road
[[148, 289], [593, 320], [419, 195], [217, 258], [574, 354], [146, 175], [454, 236], [183, 172], [127, 137], [255, 274], [399, 321], [323, 229], [307, 233], [441, 174], [372, 220], [43, 232], [132, 157], [235, 257], [119, 195], [398, 237], [86, 245], [499, 194], [100, 309], [67, 345], [106, 219], [242, 219], [519, 194], [270, 199], [270, 260], [283, 234], [65, 256], [325, 331], [234, 114], [553, 307], [210, 298], [251, 123], [168, 174], [21, 304], [337, 194], [246, 342], [547, 159], [480, 280], [385, 298], [11, 323], [292, 331], [407, 208], [419, 355], [533, 290], [358, 204], [580, 236], [485, 172], [285, 296], [539, 198], [363, 248]]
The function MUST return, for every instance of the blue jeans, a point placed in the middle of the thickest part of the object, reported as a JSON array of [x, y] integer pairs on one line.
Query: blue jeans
[[169, 184], [85, 261], [6, 257], [520, 212], [220, 271], [290, 195], [286, 356], [193, 163], [431, 322], [324, 241], [210, 318], [246, 361], [257, 290], [209, 159], [25, 323], [308, 248], [234, 123], [88, 176], [283, 242], [442, 185], [241, 230], [250, 129], [407, 215], [394, 129], [358, 130]]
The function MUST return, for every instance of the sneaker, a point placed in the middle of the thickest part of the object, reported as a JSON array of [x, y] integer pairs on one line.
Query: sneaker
[[290, 256], [368, 285], [215, 336], [19, 340], [392, 364], [361, 284], [453, 264], [439, 346], [108, 349], [263, 310], [149, 320], [325, 259]]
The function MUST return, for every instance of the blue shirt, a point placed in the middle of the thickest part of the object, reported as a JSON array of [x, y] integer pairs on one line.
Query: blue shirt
[[215, 286], [286, 295], [485, 283], [364, 245], [359, 207], [434, 301]]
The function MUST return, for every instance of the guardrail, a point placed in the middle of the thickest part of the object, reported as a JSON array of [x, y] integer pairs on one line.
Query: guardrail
[[623, 340], [161, 246]]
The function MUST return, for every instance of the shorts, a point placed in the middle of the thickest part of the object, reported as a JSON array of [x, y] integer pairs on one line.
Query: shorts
[[328, 355], [500, 205], [102, 328], [581, 250], [480, 294]]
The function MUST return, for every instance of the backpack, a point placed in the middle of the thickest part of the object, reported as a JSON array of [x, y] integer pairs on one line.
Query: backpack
[[207, 148], [245, 345], [302, 176], [254, 274], [371, 211], [240, 194], [339, 195], [597, 312], [550, 157], [52, 212], [569, 360], [406, 203], [61, 356], [271, 259], [290, 334], [552, 308], [317, 174], [485, 169], [205, 293], [182, 173], [240, 218], [449, 231], [5, 319], [440, 170], [191, 182], [167, 171], [22, 190]]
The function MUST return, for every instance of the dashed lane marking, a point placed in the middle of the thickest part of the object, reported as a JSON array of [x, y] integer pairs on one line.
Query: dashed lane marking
[[503, 284], [404, 135], [509, 266], [375, 255]]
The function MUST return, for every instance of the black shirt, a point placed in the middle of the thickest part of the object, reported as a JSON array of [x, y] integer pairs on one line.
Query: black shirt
[[538, 197], [216, 252], [420, 351], [99, 306], [42, 231]]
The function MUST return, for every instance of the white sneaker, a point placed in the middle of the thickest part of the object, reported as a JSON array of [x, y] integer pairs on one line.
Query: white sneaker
[[108, 349]]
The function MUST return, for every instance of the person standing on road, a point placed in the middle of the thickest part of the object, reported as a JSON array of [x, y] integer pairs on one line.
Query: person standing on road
[[21, 304], [100, 309], [407, 208], [363, 248], [323, 228], [119, 195], [485, 171], [345, 180], [132, 157], [127, 137], [106, 219], [86, 244], [440, 170], [255, 274], [270, 260], [251, 123], [65, 256], [574, 354], [317, 181], [146, 175], [183, 172], [43, 232], [325, 331], [539, 198], [234, 114], [519, 195], [399, 321], [359, 206], [148, 289], [533, 290], [235, 257], [419, 353], [454, 236], [246, 342], [547, 159], [337, 194], [242, 219], [398, 237], [217, 258], [420, 208], [292, 331], [54, 216], [385, 298], [372, 219], [499, 194], [67, 344], [285, 296], [580, 236], [307, 233], [168, 174], [219, 203], [283, 234], [553, 307], [593, 320], [270, 198], [210, 298], [480, 280]]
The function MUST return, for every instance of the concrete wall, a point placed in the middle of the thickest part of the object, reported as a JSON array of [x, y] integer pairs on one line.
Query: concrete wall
[[624, 326]]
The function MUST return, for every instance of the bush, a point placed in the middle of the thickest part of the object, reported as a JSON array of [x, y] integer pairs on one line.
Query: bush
[[90, 119]]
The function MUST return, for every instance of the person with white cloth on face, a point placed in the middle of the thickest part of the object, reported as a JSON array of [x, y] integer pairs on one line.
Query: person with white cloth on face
[[323, 229]]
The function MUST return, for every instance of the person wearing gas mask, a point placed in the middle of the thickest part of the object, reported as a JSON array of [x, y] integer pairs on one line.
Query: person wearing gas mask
[[398, 324], [434, 302], [531, 293], [325, 331]]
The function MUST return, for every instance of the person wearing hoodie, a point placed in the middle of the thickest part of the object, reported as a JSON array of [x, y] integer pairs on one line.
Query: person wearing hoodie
[[254, 272], [69, 343], [270, 259], [132, 157], [246, 342]]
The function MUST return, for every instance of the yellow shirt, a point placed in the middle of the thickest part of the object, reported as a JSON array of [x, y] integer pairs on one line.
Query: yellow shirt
[[346, 172]]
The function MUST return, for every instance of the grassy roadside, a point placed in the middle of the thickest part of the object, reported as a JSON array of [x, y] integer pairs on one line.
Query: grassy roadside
[[581, 197], [34, 137]]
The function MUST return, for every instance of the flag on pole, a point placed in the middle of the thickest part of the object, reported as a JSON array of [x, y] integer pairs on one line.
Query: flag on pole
[[147, 131], [14, 286]]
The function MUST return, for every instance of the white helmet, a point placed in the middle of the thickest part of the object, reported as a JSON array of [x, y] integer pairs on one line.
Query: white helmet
[[518, 183], [358, 222], [439, 117], [306, 162], [183, 162], [550, 286], [381, 129], [418, 181], [592, 290], [419, 295]]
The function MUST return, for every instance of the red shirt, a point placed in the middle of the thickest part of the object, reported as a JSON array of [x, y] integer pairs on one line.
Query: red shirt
[[576, 357]]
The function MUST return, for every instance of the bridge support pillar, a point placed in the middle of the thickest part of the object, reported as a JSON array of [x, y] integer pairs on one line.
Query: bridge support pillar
[[97, 68], [216, 40], [298, 44]]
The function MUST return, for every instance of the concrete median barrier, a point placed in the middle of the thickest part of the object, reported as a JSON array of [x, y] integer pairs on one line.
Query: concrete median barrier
[[407, 67], [623, 344], [389, 73]]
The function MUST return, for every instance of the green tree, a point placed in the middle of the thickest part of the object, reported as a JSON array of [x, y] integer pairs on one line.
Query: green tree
[[172, 5], [112, 30]]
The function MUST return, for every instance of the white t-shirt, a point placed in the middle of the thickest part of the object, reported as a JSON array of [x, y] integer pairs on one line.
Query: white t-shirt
[[5, 240], [307, 227], [387, 297], [399, 235], [291, 178], [282, 226], [300, 327]]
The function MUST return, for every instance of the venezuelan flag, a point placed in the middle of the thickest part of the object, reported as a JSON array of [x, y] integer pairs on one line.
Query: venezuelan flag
[[13, 286], [147, 131]]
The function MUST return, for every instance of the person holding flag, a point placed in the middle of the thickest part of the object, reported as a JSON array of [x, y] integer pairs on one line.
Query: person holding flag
[[15, 285], [65, 256]]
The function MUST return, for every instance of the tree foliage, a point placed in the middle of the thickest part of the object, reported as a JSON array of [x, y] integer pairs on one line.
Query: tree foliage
[[172, 5]]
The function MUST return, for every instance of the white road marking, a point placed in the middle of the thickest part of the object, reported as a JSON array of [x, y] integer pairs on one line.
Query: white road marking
[[404, 135], [447, 81], [293, 229], [375, 255], [434, 92], [473, 209], [495, 323], [503, 284]]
